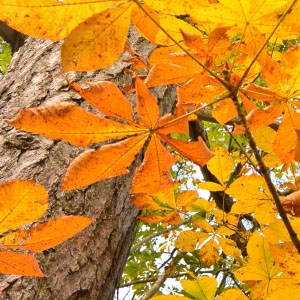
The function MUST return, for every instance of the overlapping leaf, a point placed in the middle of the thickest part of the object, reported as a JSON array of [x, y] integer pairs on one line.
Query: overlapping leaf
[[204, 288], [79, 127], [210, 241], [23, 202], [95, 31], [282, 93], [251, 191], [168, 206], [268, 279]]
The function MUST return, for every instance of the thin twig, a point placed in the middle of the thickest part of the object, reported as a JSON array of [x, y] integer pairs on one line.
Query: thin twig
[[225, 83], [155, 287], [265, 173], [169, 259], [242, 149], [152, 279], [154, 235], [194, 111], [289, 9]]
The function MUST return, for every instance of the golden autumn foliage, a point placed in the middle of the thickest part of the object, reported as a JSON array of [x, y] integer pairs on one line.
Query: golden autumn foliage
[[23, 202], [240, 61]]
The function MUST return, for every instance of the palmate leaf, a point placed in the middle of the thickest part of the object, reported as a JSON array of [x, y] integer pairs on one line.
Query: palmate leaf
[[95, 30], [23, 202], [268, 279], [166, 206], [57, 121], [282, 94], [203, 288]]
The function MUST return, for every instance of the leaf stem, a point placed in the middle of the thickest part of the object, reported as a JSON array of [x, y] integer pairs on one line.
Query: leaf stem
[[289, 9], [225, 83], [194, 111], [265, 173]]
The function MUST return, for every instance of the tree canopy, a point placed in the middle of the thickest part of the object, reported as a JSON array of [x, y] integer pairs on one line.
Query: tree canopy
[[219, 179]]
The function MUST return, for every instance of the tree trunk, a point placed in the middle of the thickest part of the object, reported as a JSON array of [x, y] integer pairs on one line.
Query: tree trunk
[[89, 265]]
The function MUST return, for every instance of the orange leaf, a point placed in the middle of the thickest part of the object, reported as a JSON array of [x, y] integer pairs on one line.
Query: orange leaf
[[200, 89], [260, 93], [19, 264], [194, 41], [291, 204], [154, 173], [21, 201], [180, 126], [224, 111], [109, 161], [146, 105], [170, 73], [258, 118], [71, 123], [107, 98], [147, 29], [46, 235], [285, 140], [197, 152]]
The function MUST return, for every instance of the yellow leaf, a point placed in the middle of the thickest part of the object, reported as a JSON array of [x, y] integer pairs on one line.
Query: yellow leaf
[[287, 258], [203, 288], [49, 19], [98, 41], [187, 198], [21, 201], [261, 267], [232, 294], [211, 186], [254, 196], [209, 252], [201, 205], [264, 137], [260, 15], [272, 161], [177, 8], [221, 165], [230, 248], [172, 25], [189, 240], [169, 297]]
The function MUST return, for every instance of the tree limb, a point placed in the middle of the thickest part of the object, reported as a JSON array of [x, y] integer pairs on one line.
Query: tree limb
[[265, 173], [13, 37]]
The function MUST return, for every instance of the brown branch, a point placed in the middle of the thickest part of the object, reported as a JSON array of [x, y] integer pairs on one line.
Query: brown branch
[[289, 9], [152, 279], [155, 287], [265, 173], [195, 130], [13, 37], [225, 83]]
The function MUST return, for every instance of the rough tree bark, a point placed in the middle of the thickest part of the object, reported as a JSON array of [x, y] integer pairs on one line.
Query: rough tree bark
[[89, 265]]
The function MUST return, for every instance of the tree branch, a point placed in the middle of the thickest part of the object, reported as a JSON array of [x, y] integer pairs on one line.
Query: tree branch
[[154, 235], [265, 173], [13, 37]]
